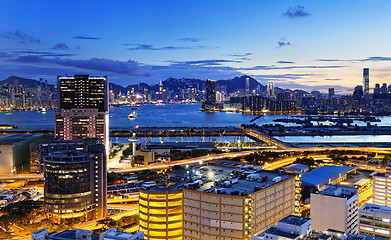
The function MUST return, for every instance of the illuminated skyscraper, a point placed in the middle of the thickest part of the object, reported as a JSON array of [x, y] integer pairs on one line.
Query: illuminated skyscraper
[[82, 108], [331, 93], [75, 183], [270, 90], [366, 80], [247, 86], [210, 102]]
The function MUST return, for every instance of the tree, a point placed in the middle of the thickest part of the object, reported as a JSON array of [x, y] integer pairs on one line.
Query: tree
[[6, 221], [306, 192], [5, 235]]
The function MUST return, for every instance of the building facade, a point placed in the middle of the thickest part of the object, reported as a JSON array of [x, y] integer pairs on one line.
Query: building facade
[[335, 207], [161, 214], [375, 220], [381, 193], [41, 149], [199, 214], [14, 152], [210, 102], [366, 81], [82, 108], [75, 184]]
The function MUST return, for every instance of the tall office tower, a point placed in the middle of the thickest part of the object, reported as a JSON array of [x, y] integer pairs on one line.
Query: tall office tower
[[247, 86], [383, 89], [331, 93], [75, 184], [210, 102], [335, 207], [82, 108], [270, 90], [376, 90], [366, 81]]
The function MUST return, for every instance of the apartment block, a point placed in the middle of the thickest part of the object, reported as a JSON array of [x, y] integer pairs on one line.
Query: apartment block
[[335, 207], [375, 220]]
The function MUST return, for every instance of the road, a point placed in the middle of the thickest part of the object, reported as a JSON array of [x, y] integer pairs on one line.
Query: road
[[210, 158], [117, 157], [92, 225]]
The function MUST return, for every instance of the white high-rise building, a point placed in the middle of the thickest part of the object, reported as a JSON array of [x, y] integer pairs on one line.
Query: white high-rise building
[[375, 220], [382, 189], [270, 90], [335, 207]]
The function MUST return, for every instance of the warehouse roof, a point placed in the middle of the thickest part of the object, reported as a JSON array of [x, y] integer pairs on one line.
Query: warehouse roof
[[12, 139], [322, 175]]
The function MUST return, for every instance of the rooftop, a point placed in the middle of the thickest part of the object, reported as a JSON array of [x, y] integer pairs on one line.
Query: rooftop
[[323, 173], [69, 234], [275, 231], [298, 166], [114, 234], [12, 139], [181, 145], [376, 208], [339, 191], [295, 220], [219, 174]]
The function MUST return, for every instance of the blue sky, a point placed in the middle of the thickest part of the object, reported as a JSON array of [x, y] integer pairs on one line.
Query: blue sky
[[295, 44]]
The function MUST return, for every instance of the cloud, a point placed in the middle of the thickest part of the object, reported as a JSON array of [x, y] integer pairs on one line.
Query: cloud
[[282, 44], [285, 62], [30, 59], [136, 46], [129, 67], [368, 59], [282, 77], [60, 46], [272, 67], [5, 54], [86, 38], [42, 54], [296, 12], [332, 79], [240, 54], [208, 62], [191, 39], [19, 36]]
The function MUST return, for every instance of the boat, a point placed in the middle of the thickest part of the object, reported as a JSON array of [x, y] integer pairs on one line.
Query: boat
[[43, 110], [131, 116]]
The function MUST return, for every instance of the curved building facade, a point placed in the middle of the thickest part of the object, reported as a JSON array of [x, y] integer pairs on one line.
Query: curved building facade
[[161, 213], [73, 185]]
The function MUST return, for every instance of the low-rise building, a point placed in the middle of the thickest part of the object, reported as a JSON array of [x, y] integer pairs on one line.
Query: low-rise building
[[14, 152], [290, 227], [335, 207], [82, 234], [324, 175], [296, 168], [161, 148], [144, 158], [375, 220]]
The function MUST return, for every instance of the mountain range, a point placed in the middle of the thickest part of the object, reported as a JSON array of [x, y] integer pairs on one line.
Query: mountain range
[[171, 84]]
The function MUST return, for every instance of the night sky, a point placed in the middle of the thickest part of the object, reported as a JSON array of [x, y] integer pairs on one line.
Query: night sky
[[295, 44]]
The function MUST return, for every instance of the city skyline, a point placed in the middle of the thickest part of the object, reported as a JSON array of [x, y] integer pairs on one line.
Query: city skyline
[[294, 44]]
